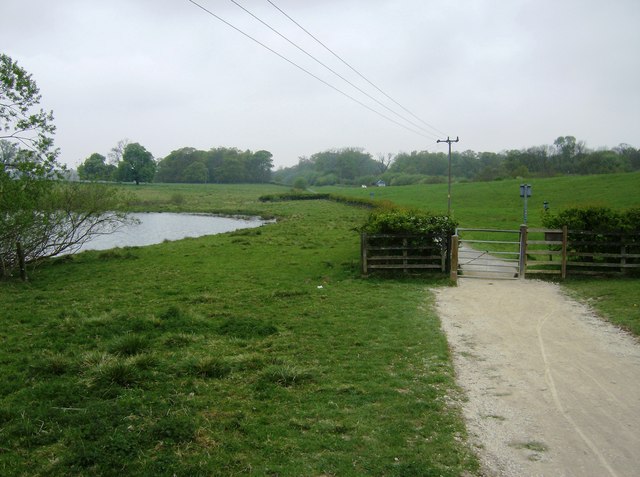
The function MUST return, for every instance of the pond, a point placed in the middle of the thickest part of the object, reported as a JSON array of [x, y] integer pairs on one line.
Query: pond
[[153, 228]]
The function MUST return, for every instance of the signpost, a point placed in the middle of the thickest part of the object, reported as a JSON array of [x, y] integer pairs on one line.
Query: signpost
[[525, 192]]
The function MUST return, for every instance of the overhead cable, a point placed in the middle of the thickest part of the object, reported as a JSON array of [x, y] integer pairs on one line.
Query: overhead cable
[[307, 71], [404, 118], [354, 69]]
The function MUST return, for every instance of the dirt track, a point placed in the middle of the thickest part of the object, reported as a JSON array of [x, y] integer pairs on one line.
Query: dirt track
[[552, 389]]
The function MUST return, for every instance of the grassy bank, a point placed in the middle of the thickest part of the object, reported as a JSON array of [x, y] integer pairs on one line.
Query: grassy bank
[[617, 300], [259, 352], [498, 204]]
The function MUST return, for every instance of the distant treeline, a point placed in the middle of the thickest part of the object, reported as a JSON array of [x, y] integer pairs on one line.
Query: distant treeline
[[354, 166], [219, 165], [129, 162]]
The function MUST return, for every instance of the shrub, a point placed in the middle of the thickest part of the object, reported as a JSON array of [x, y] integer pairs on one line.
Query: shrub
[[300, 183], [602, 221], [411, 222], [593, 219]]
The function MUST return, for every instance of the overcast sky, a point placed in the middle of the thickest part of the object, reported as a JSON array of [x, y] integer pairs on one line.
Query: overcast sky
[[499, 74]]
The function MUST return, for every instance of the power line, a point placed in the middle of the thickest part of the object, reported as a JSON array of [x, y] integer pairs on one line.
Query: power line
[[354, 69], [449, 141], [306, 71], [332, 70]]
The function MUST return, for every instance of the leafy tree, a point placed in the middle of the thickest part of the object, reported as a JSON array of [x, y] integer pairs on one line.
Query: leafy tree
[[300, 183], [39, 216], [196, 172], [95, 168], [28, 158], [137, 164], [223, 165], [259, 166]]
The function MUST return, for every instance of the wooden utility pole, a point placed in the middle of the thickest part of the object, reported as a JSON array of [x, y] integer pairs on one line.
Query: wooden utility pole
[[449, 141]]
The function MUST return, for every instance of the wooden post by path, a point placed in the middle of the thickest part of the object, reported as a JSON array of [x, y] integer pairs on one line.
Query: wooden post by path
[[454, 259], [563, 266], [523, 251], [363, 251]]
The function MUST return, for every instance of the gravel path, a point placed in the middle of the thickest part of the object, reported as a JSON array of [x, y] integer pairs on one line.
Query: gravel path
[[552, 389]]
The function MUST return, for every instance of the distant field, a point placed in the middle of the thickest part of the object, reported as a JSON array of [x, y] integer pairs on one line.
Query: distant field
[[498, 204]]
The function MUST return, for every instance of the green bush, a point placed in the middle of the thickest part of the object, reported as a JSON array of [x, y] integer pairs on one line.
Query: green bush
[[595, 219], [603, 222], [410, 222]]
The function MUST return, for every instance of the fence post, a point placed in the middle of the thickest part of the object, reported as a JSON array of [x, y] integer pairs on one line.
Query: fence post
[[453, 264], [565, 236], [405, 244], [623, 254], [363, 252], [523, 251]]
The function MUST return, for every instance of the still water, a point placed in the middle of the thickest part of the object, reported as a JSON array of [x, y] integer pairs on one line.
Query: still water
[[155, 228]]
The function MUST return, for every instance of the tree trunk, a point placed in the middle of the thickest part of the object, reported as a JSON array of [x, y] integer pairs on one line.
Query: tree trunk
[[23, 268]]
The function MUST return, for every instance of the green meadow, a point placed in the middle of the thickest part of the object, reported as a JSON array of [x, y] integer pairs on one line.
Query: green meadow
[[257, 352], [498, 204]]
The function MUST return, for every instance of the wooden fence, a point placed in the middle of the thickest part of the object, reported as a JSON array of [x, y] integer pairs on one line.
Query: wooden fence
[[542, 251], [403, 252], [577, 252]]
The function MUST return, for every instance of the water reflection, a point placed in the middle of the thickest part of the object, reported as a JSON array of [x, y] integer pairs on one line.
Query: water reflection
[[153, 228]]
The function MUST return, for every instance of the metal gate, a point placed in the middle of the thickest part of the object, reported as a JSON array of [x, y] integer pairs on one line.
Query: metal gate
[[490, 253]]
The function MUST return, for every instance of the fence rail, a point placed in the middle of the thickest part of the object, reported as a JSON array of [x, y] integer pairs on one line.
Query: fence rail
[[540, 251], [402, 252], [578, 252]]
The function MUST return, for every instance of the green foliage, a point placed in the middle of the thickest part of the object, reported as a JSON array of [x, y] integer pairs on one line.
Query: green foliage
[[218, 165], [300, 183], [594, 219], [605, 222], [22, 124], [415, 222], [565, 156], [61, 217], [27, 161], [338, 166], [95, 168], [137, 164]]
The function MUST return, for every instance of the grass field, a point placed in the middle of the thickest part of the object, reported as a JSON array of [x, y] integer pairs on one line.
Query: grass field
[[259, 352], [498, 204]]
